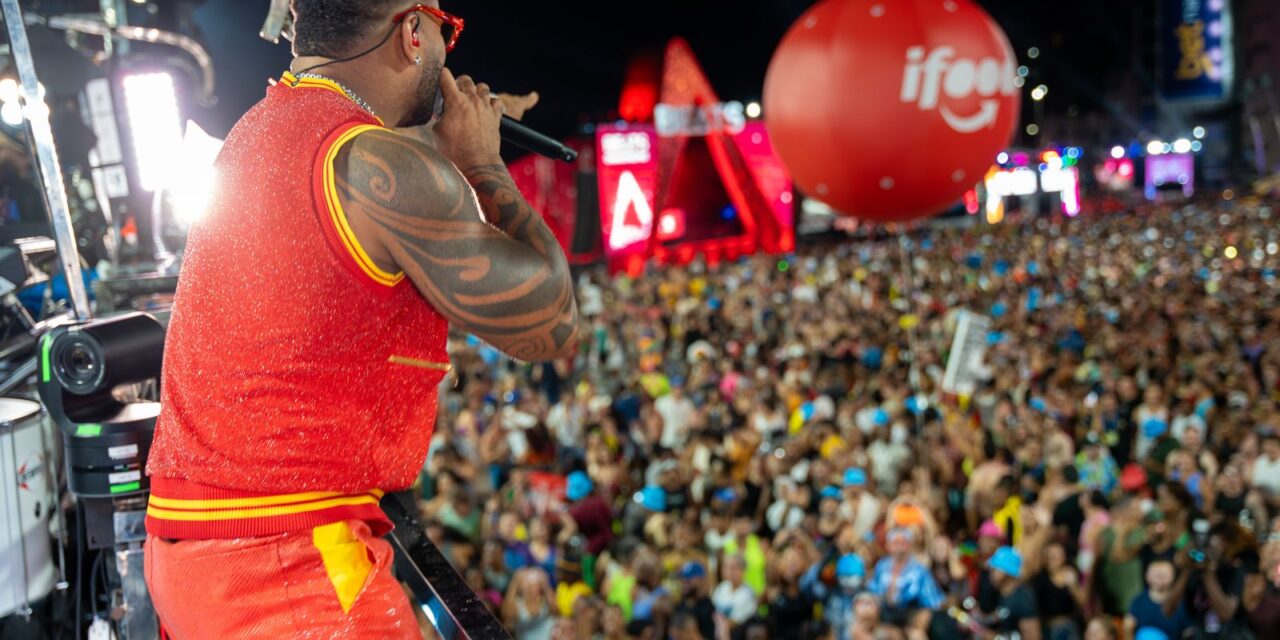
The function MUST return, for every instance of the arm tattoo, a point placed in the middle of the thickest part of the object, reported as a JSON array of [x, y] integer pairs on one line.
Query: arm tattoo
[[509, 285]]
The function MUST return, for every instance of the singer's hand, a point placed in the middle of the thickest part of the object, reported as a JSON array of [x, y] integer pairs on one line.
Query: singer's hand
[[517, 105], [467, 132]]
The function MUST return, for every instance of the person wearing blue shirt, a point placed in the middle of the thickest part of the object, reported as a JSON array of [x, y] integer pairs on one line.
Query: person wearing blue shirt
[[1149, 610], [903, 582]]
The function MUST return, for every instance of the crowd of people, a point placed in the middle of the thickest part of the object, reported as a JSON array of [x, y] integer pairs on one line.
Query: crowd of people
[[766, 449]]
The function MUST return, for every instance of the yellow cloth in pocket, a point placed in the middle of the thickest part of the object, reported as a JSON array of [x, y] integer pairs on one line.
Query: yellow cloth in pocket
[[346, 560]]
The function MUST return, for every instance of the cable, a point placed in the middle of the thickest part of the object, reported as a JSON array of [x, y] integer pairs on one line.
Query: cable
[[349, 59], [79, 562], [106, 579], [93, 584]]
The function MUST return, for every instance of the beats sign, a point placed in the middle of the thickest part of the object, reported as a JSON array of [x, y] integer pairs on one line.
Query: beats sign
[[891, 110]]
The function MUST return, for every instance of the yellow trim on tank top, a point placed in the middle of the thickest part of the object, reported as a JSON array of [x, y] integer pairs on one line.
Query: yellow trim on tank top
[[339, 217], [292, 81]]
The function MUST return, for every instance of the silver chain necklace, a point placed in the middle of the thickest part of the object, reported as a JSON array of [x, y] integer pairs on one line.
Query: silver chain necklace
[[350, 94]]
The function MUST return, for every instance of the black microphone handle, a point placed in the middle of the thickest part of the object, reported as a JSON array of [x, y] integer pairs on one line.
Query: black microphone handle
[[528, 139]]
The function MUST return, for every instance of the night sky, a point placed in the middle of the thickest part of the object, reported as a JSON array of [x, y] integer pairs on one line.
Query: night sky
[[574, 52]]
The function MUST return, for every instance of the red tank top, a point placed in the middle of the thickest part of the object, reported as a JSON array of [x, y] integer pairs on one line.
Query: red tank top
[[299, 379]]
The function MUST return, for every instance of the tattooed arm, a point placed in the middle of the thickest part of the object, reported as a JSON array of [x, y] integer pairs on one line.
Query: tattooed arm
[[507, 283], [414, 205]]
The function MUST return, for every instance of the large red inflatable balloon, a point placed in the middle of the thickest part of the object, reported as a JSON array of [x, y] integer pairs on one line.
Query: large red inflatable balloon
[[891, 109]]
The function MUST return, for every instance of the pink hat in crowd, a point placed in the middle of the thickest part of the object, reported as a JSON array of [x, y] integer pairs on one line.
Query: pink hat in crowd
[[990, 529]]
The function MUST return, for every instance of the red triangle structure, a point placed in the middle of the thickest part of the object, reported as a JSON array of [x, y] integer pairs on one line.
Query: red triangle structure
[[685, 85]]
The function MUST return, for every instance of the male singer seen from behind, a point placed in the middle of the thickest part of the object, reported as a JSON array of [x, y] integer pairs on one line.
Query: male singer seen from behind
[[308, 334]]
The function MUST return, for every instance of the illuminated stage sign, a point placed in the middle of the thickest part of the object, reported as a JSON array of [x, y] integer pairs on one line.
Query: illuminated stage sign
[[1169, 169], [1196, 50], [627, 175], [696, 120]]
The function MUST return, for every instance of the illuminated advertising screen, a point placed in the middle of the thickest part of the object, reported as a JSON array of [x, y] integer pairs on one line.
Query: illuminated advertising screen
[[1196, 61], [1167, 171], [627, 175]]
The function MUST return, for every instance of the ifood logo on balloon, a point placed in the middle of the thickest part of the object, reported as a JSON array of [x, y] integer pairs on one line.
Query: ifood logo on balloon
[[930, 74]]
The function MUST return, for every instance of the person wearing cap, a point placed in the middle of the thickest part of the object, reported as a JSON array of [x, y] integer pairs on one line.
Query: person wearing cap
[[860, 507], [837, 599], [906, 585], [829, 520], [694, 598], [589, 513], [1017, 609]]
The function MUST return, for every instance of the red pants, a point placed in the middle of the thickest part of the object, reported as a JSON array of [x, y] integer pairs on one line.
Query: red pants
[[330, 582]]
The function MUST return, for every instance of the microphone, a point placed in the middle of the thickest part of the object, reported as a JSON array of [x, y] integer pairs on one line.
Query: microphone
[[522, 136]]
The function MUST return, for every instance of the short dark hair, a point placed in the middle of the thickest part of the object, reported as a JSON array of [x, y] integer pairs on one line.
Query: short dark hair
[[332, 28]]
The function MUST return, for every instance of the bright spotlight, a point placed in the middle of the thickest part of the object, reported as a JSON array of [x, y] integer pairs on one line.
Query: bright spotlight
[[192, 183], [1181, 145], [753, 109], [11, 114], [1002, 158], [1197, 133], [1117, 152], [1196, 146], [1155, 147], [8, 90], [152, 105]]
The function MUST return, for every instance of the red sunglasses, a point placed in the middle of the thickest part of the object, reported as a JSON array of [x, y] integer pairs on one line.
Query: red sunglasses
[[450, 25]]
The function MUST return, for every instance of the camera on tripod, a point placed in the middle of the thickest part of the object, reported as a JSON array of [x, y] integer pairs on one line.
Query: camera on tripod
[[81, 366]]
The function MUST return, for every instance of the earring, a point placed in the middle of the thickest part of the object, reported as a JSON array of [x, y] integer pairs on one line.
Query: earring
[[417, 60]]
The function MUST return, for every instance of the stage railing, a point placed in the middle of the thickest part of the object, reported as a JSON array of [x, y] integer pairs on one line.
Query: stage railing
[[449, 603]]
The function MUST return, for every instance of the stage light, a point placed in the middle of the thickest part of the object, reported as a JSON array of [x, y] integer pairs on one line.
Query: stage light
[[1196, 146], [194, 179], [152, 105], [8, 90], [753, 109], [1018, 82], [1002, 158], [11, 114], [1039, 92], [1166, 148], [1155, 147], [1197, 132], [1033, 129], [1023, 71], [1117, 152], [1230, 253], [1033, 53], [1181, 145]]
